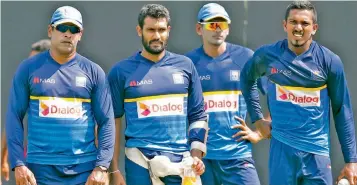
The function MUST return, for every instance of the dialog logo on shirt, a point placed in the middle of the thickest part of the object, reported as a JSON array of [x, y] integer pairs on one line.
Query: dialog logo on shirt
[[220, 101], [299, 96], [60, 108], [145, 108], [160, 107]]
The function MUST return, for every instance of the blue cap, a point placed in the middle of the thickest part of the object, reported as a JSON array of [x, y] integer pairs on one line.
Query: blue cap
[[67, 14], [212, 10]]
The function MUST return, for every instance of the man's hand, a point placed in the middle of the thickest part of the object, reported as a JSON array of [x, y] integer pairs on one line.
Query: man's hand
[[117, 178], [263, 126], [246, 133], [198, 166], [5, 170], [24, 176], [98, 177], [349, 171]]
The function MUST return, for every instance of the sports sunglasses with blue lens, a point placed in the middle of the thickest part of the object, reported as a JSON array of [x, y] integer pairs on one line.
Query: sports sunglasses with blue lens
[[63, 28]]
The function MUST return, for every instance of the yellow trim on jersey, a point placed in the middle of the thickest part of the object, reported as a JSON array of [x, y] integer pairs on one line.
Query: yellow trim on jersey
[[59, 98], [155, 97], [302, 88], [221, 92]]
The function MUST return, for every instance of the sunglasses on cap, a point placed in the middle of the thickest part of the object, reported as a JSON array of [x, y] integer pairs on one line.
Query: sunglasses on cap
[[63, 28], [212, 26]]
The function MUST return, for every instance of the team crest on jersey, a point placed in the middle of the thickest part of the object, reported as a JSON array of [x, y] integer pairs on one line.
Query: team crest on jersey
[[178, 78], [81, 81], [234, 75]]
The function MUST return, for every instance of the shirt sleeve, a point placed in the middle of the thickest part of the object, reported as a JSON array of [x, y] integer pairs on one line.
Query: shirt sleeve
[[116, 83], [342, 109], [16, 110], [262, 84], [251, 72], [103, 113], [197, 117]]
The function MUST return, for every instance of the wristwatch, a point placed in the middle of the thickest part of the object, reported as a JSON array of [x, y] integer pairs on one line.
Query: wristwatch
[[102, 168]]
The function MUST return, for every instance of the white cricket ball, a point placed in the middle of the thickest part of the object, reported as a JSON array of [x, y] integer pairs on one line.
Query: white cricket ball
[[343, 182]]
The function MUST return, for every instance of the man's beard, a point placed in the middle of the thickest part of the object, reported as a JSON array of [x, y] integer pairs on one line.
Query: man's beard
[[154, 51], [297, 45]]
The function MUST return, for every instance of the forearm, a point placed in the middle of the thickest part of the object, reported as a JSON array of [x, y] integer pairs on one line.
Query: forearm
[[4, 152], [198, 137], [197, 153], [4, 155], [15, 139], [346, 136], [106, 136], [116, 155]]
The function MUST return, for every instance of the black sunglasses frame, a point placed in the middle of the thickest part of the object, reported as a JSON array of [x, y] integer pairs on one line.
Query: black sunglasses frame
[[63, 28]]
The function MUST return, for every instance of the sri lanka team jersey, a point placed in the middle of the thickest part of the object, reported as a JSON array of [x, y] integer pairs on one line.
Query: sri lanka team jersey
[[64, 103], [159, 99], [299, 92], [220, 79]]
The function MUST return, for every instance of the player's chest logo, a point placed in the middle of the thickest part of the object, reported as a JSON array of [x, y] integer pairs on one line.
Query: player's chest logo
[[81, 81], [39, 80], [178, 78], [135, 83], [234, 75]]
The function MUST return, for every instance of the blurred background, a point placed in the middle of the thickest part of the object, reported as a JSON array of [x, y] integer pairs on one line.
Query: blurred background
[[110, 35]]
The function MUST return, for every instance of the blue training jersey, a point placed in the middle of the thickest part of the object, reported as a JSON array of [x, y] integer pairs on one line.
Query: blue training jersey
[[299, 92], [160, 100], [223, 99], [64, 103]]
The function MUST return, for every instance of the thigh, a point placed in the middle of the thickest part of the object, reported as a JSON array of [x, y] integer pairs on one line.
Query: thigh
[[209, 177], [317, 170], [282, 164], [238, 172], [135, 174]]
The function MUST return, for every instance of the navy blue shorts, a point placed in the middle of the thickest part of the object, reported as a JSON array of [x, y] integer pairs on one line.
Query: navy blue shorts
[[290, 166], [230, 172], [62, 174]]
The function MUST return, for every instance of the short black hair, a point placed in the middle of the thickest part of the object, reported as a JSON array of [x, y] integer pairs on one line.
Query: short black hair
[[155, 11], [301, 5], [41, 45]]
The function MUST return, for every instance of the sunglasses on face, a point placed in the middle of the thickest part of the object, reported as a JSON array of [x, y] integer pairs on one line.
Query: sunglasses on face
[[63, 28], [212, 26]]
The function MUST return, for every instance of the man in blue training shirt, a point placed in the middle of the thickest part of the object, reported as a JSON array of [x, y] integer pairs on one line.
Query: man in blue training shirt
[[304, 79], [65, 95], [36, 48], [161, 96], [218, 63]]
